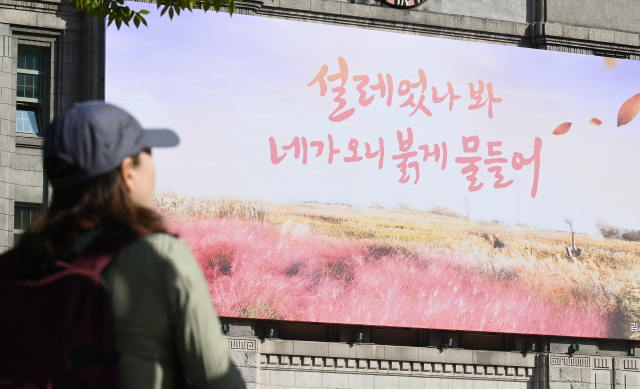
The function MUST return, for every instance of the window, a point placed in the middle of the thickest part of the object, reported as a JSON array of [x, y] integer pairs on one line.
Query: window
[[30, 94], [24, 214]]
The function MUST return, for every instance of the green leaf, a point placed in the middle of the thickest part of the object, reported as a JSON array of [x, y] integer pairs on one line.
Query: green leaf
[[117, 11]]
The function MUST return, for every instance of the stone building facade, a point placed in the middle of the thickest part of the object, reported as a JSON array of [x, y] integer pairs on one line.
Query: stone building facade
[[69, 49], [277, 355]]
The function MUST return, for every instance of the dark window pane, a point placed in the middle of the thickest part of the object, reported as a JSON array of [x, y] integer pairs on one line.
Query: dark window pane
[[30, 60], [29, 86], [24, 216], [27, 120], [20, 85], [16, 238], [17, 219], [34, 214]]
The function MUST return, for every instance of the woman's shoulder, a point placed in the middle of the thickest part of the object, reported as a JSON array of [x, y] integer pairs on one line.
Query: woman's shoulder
[[166, 259], [161, 247], [161, 241]]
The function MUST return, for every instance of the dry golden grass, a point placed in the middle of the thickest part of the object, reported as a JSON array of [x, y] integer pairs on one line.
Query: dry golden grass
[[438, 231], [180, 207]]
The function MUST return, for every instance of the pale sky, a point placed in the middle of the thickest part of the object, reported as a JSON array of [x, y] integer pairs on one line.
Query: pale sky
[[228, 84]]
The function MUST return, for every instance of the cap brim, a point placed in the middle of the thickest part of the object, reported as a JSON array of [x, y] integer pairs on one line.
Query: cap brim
[[160, 138]]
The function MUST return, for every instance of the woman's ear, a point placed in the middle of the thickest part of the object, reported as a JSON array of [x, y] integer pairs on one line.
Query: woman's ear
[[128, 174]]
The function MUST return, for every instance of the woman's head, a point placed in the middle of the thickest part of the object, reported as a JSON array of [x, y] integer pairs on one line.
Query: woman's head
[[119, 194], [98, 160], [96, 138]]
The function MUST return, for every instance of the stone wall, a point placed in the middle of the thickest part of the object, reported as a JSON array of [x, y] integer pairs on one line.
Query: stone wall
[[560, 25], [74, 71], [291, 363], [615, 15], [359, 366]]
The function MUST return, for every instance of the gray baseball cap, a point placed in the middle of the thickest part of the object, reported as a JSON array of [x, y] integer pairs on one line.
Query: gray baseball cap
[[95, 137]]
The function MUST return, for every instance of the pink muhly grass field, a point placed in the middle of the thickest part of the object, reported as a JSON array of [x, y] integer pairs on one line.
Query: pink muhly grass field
[[260, 272]]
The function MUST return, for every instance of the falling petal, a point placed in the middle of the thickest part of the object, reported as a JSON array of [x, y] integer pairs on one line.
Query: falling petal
[[611, 63], [562, 129], [629, 110], [595, 121]]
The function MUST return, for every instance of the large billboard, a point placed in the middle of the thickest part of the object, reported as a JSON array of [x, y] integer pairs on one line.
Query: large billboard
[[344, 175]]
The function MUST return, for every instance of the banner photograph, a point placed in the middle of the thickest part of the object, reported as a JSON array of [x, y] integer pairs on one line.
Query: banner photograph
[[342, 175]]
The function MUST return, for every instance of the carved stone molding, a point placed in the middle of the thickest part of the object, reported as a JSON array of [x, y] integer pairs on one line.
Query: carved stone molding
[[563, 360], [240, 344], [385, 367], [631, 364], [602, 363]]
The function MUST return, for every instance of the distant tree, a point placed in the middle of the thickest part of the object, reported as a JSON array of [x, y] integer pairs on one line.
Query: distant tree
[[444, 211], [465, 201], [403, 207], [632, 236], [608, 230], [569, 221], [375, 205]]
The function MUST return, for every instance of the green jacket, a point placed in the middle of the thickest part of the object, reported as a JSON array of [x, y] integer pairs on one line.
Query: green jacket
[[164, 318]]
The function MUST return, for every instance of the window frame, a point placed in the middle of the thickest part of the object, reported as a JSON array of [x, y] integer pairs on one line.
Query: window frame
[[18, 232], [40, 105]]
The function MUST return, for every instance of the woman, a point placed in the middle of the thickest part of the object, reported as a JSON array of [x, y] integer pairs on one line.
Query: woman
[[98, 160]]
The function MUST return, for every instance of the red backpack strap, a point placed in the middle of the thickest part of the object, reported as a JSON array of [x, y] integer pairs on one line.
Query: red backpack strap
[[97, 259]]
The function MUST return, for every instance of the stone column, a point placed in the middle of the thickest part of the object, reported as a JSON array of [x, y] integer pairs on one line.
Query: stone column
[[569, 372], [542, 376], [94, 56], [245, 355], [7, 142], [618, 375], [244, 348]]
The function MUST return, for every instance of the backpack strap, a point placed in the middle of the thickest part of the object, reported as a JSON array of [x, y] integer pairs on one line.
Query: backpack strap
[[97, 259], [10, 266], [89, 355]]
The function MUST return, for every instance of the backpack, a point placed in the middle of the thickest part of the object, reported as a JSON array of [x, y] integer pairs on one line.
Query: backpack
[[57, 331]]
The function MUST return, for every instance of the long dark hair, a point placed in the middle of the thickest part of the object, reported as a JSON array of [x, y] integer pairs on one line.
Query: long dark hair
[[100, 202]]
